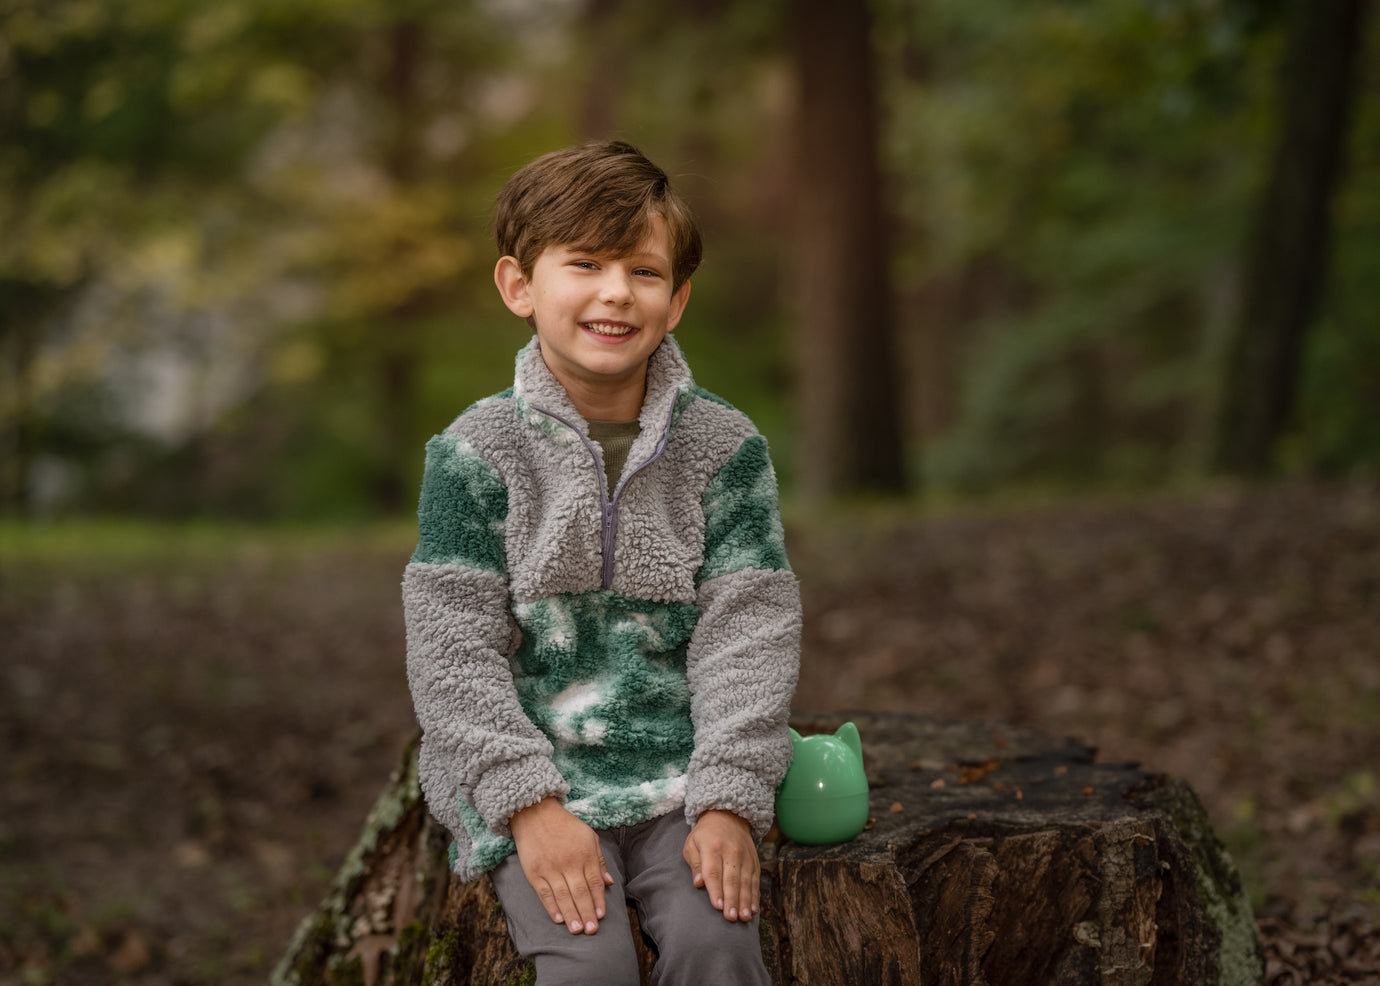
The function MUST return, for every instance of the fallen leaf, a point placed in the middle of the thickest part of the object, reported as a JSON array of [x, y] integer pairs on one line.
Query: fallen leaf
[[132, 955], [191, 854], [971, 773]]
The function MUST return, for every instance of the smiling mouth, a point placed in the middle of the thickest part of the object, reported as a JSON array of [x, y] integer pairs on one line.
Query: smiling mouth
[[609, 328]]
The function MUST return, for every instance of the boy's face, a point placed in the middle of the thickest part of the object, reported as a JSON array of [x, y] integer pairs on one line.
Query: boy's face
[[598, 318]]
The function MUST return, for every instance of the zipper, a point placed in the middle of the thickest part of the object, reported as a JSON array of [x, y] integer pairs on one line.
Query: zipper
[[608, 506]]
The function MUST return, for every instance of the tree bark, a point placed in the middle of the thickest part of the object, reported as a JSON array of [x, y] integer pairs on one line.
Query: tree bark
[[396, 363], [19, 345], [995, 856], [603, 37], [1288, 255], [847, 381]]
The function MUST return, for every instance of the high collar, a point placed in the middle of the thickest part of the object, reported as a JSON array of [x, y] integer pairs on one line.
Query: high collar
[[537, 389]]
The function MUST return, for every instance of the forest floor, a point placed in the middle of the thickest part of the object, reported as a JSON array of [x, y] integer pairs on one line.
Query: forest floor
[[194, 731]]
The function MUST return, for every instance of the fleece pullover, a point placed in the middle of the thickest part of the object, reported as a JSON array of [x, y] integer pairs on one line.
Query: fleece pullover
[[632, 652]]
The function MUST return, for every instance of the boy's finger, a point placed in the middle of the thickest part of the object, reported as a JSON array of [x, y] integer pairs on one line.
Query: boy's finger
[[692, 857], [732, 881], [749, 891], [713, 881], [594, 882], [585, 919], [566, 906], [548, 901]]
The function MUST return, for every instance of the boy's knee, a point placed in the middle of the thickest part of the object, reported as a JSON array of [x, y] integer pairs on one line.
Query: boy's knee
[[723, 952], [601, 958]]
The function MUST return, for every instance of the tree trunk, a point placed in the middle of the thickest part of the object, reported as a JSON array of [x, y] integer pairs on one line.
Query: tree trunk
[[995, 856], [847, 383], [396, 358], [603, 37], [1288, 256], [19, 343]]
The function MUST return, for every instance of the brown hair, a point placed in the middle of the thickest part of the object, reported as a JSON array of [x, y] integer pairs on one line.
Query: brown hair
[[600, 197]]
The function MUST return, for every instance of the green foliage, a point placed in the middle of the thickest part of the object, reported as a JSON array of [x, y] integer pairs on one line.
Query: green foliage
[[247, 263], [1094, 161], [123, 546], [1335, 431], [228, 205]]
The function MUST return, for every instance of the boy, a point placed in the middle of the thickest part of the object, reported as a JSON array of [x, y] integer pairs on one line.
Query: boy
[[602, 627]]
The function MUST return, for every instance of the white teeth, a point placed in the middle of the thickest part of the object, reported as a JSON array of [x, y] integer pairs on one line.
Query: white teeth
[[604, 329]]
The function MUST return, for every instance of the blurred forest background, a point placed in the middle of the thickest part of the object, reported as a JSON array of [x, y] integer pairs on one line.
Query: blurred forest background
[[246, 261], [1062, 317]]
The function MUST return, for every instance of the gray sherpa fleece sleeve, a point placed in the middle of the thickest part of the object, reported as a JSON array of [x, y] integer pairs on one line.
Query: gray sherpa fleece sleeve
[[744, 656], [477, 743]]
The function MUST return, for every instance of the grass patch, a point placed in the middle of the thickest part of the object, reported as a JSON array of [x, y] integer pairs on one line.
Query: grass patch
[[103, 544]]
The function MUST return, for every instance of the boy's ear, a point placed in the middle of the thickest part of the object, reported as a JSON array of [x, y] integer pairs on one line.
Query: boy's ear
[[678, 301], [512, 286]]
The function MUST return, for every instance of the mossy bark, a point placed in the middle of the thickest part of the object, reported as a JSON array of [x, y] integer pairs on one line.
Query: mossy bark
[[995, 856]]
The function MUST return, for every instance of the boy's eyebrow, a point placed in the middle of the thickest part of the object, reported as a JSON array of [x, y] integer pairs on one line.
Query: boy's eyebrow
[[651, 256]]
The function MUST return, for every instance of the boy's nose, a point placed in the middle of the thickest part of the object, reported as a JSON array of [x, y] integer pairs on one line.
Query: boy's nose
[[616, 288]]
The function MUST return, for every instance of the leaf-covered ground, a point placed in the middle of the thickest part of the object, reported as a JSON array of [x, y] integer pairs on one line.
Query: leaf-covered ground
[[193, 735]]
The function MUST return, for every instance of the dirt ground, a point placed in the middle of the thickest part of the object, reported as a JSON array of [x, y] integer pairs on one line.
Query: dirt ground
[[191, 739]]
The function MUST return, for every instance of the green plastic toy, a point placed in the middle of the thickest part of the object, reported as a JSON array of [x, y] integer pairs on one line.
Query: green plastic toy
[[823, 797]]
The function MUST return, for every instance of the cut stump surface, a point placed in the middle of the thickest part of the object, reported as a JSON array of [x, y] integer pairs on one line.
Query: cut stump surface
[[994, 855]]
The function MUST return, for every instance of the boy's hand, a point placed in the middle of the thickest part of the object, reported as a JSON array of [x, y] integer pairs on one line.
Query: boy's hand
[[561, 858], [723, 859]]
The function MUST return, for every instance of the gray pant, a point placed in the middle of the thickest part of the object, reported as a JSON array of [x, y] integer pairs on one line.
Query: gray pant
[[695, 944]]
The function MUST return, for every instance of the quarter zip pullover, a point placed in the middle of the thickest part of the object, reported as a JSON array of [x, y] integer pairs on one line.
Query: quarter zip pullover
[[608, 506], [631, 652]]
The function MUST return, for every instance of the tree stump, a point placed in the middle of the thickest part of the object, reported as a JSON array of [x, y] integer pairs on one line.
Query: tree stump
[[994, 856]]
